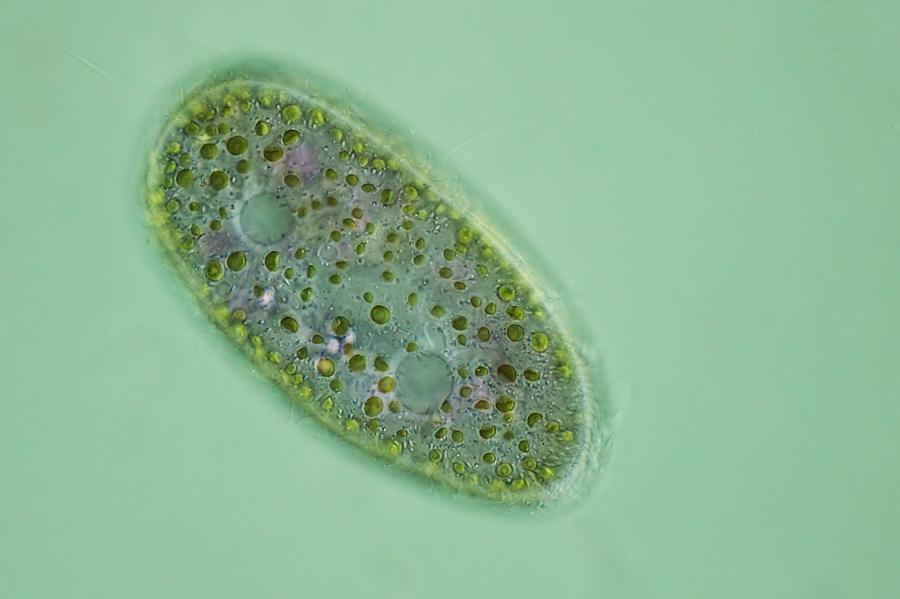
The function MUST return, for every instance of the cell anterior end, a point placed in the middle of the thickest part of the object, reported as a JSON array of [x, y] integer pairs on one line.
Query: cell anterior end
[[367, 292]]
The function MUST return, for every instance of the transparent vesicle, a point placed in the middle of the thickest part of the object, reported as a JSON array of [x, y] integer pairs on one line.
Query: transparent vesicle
[[368, 290]]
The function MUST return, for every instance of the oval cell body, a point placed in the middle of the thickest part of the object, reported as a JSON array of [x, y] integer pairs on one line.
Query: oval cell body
[[367, 289]]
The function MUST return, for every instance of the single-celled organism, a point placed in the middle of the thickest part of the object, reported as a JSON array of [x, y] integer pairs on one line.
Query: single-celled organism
[[368, 290]]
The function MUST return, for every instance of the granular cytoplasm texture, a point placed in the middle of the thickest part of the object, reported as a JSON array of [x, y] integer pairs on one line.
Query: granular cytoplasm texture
[[368, 291]]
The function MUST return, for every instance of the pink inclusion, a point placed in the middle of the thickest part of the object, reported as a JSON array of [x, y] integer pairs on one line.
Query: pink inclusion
[[301, 161]]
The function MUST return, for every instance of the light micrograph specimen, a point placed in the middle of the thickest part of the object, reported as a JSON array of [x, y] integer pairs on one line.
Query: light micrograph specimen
[[368, 291]]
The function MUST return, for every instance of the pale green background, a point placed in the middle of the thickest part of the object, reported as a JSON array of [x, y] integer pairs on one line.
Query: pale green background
[[715, 182]]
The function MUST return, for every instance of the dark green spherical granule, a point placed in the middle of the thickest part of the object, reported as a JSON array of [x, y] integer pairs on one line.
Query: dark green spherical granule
[[364, 287]]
